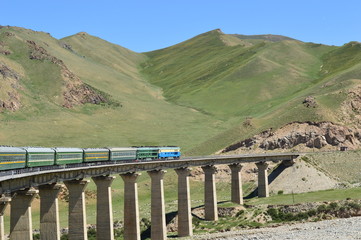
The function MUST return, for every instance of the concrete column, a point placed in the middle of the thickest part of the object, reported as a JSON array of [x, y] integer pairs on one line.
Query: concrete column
[[158, 229], [131, 209], [184, 203], [262, 179], [210, 194], [4, 202], [236, 183], [105, 229], [77, 216], [49, 211], [21, 227]]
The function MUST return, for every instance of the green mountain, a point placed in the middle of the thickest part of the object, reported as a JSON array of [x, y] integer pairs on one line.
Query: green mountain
[[239, 80], [131, 111], [202, 94], [261, 81]]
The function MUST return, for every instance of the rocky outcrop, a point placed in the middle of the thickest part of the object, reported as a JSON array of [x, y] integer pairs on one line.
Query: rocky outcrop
[[4, 50], [9, 85], [12, 103], [7, 72], [305, 135], [81, 93], [66, 46], [350, 112], [310, 102]]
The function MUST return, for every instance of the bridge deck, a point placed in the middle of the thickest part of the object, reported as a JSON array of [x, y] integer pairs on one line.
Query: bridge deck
[[18, 179]]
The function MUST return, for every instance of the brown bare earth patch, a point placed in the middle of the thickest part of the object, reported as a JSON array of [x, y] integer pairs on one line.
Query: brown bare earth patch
[[4, 49], [351, 107], [300, 136], [300, 178], [9, 85]]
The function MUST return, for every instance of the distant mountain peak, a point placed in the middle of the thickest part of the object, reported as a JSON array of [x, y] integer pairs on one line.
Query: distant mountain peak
[[83, 34], [214, 31], [218, 30]]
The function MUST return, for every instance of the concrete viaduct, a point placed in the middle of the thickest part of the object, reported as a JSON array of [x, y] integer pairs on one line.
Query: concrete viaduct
[[19, 189]]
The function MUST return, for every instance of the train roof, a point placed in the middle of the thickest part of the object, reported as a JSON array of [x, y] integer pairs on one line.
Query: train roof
[[39, 149], [64, 150], [122, 148], [148, 148], [169, 147], [12, 149], [95, 149]]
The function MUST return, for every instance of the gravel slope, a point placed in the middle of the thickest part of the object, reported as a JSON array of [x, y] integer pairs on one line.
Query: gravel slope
[[349, 228]]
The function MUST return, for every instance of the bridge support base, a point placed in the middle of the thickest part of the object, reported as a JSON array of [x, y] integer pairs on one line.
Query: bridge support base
[[131, 209], [184, 203], [4, 202], [77, 216], [210, 194], [262, 179], [49, 211], [21, 227], [105, 230], [158, 229], [236, 183]]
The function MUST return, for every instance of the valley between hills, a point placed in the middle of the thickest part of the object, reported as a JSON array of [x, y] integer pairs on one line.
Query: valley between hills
[[214, 93]]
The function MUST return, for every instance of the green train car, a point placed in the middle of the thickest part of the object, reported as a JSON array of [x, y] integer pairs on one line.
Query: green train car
[[68, 156], [96, 154], [147, 153], [122, 153], [37, 156], [29, 157], [12, 158]]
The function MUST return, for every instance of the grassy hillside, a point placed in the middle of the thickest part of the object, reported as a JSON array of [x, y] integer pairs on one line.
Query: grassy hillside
[[140, 117], [235, 80], [259, 81]]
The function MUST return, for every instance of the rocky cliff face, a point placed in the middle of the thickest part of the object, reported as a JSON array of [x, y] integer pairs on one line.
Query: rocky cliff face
[[303, 136], [9, 86]]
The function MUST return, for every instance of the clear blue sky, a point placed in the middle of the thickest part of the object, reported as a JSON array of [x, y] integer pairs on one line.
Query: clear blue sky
[[145, 25]]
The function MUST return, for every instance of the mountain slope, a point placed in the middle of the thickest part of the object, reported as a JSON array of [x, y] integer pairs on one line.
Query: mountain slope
[[209, 75], [134, 113], [259, 80]]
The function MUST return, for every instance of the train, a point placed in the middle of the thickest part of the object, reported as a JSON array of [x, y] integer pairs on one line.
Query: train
[[29, 157]]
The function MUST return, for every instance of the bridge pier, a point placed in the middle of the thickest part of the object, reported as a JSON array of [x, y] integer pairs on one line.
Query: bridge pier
[[184, 203], [131, 209], [236, 183], [4, 202], [77, 216], [21, 227], [49, 211], [210, 194], [105, 230], [262, 179], [158, 229]]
